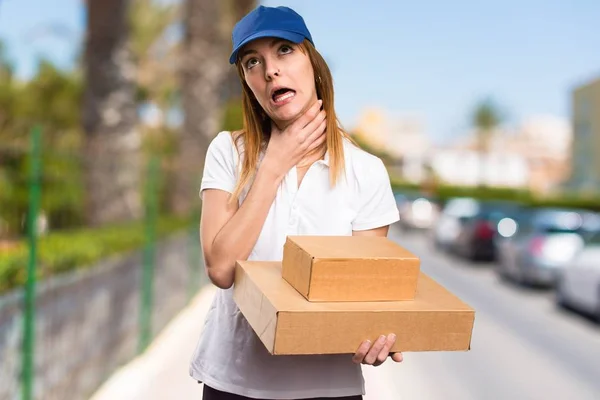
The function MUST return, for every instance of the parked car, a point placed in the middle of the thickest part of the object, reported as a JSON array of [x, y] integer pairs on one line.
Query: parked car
[[578, 286], [446, 228], [417, 211], [467, 226], [477, 232], [546, 241]]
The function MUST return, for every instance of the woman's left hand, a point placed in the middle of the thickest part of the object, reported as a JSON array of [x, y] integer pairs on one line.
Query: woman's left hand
[[378, 352]]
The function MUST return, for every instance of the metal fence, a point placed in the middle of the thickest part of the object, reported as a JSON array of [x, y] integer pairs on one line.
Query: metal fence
[[62, 337]]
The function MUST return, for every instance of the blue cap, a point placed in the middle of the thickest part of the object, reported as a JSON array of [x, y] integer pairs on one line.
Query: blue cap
[[279, 22]]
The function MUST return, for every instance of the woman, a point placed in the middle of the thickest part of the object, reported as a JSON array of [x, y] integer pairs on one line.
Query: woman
[[290, 171]]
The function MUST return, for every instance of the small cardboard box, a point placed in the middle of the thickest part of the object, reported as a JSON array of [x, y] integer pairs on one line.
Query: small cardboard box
[[288, 324], [350, 268]]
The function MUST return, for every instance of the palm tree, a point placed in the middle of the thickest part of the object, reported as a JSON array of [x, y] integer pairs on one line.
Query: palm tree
[[112, 157], [155, 53], [485, 119], [205, 69]]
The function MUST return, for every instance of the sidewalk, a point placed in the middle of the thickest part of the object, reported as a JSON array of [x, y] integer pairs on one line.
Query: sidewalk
[[161, 373]]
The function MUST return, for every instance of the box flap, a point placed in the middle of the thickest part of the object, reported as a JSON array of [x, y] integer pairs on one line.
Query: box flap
[[345, 247]]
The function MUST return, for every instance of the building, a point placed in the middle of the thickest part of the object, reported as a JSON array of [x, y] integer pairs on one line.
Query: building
[[545, 142], [373, 128], [585, 175], [402, 136], [534, 155], [466, 167]]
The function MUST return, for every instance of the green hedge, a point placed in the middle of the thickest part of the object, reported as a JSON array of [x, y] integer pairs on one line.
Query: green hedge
[[444, 192], [582, 202], [68, 250]]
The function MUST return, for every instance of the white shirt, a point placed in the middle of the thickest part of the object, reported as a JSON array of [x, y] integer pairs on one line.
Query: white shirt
[[229, 356]]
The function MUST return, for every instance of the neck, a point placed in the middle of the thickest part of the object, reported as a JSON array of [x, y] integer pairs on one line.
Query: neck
[[313, 156], [281, 125], [309, 158]]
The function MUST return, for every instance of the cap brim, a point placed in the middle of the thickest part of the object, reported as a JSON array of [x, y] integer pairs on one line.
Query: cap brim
[[291, 36]]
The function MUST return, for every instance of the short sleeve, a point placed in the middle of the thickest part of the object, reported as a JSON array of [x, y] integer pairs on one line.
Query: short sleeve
[[220, 164], [377, 205]]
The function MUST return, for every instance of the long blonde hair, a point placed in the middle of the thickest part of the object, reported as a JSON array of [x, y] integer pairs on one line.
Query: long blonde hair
[[257, 126]]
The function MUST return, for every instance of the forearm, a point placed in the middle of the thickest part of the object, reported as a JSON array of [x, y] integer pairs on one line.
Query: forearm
[[238, 236]]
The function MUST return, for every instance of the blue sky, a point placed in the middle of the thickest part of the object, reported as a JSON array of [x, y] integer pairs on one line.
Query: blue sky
[[434, 58], [33, 28]]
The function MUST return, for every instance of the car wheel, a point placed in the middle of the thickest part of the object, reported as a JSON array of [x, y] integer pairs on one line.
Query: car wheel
[[472, 254], [561, 298], [520, 278], [500, 267]]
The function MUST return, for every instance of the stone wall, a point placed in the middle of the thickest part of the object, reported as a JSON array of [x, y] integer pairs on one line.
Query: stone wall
[[87, 321]]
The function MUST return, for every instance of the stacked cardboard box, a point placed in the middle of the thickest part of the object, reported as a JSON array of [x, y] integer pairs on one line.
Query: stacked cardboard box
[[330, 293]]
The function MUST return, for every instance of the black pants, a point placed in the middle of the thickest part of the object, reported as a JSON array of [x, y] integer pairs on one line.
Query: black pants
[[214, 394]]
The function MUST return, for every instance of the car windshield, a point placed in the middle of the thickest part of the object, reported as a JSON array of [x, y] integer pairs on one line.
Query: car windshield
[[566, 221], [496, 211], [462, 207]]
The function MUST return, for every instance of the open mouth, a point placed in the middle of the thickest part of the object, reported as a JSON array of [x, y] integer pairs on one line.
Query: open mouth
[[283, 94]]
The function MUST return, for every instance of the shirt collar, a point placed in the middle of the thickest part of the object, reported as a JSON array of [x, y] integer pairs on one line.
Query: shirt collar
[[325, 160]]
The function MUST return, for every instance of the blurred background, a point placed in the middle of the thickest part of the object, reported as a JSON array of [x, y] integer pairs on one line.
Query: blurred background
[[487, 115]]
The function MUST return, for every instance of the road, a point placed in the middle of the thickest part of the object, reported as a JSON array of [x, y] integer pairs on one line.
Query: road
[[523, 346]]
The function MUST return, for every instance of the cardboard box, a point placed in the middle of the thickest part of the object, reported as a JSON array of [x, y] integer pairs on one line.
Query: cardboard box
[[287, 323], [350, 268]]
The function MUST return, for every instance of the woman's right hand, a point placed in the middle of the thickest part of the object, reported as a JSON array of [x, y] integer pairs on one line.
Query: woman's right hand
[[287, 147]]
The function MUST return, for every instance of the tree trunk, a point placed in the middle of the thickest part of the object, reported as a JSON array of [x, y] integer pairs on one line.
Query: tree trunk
[[206, 85], [203, 70], [113, 144], [232, 87]]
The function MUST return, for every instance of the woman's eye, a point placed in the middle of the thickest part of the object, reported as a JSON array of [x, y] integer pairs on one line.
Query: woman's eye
[[251, 62], [285, 49]]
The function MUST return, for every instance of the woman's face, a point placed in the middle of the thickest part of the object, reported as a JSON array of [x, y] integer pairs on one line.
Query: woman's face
[[281, 77]]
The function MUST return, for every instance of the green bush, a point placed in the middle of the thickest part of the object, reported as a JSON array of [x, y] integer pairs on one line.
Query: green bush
[[444, 192], [484, 193], [52, 99], [568, 201], [68, 250]]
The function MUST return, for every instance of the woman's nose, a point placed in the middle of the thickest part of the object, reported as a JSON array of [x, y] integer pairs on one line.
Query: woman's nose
[[272, 70]]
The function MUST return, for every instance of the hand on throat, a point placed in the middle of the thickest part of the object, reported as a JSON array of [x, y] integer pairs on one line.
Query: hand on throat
[[278, 127]]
